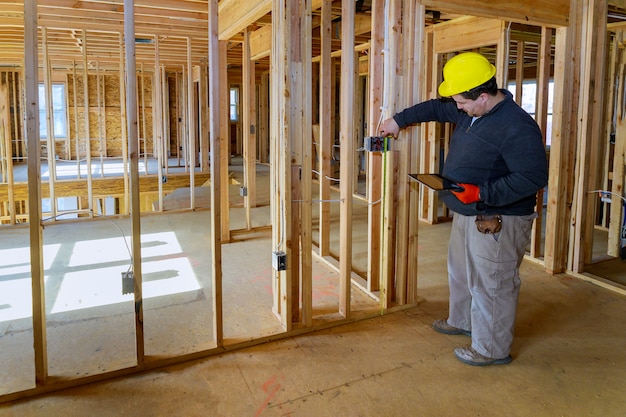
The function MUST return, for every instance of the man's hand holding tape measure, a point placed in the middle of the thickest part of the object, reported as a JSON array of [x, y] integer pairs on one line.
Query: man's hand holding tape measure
[[389, 128]]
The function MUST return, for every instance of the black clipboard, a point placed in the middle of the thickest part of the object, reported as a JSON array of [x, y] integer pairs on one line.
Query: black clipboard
[[436, 182]]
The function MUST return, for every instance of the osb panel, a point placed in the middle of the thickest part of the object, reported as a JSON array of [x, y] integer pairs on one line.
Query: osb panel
[[112, 90], [173, 113], [144, 97], [108, 114]]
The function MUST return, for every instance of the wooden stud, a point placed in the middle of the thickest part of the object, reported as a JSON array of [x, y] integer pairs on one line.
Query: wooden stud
[[415, 65], [392, 91], [280, 179], [541, 112], [326, 136], [590, 130], [264, 103], [157, 125], [347, 152], [191, 117], [99, 106], [519, 70], [306, 215], [87, 122], [223, 124], [34, 191], [75, 108], [430, 134], [248, 110], [374, 159], [561, 153], [204, 116], [133, 150], [165, 122], [50, 139], [619, 153], [215, 68], [123, 124], [141, 109], [6, 156]]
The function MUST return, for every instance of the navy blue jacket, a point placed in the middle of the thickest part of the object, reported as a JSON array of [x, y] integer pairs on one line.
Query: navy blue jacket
[[502, 152]]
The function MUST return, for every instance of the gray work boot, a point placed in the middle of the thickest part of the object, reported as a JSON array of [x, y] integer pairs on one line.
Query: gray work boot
[[442, 326], [469, 356]]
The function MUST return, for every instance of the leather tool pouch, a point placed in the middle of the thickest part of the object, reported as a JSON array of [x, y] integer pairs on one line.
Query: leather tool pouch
[[489, 223]]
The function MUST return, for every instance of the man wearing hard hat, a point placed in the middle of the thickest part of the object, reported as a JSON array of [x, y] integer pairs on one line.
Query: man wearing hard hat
[[497, 156]]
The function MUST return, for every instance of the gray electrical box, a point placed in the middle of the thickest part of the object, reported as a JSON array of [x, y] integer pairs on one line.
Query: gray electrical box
[[279, 260], [128, 282]]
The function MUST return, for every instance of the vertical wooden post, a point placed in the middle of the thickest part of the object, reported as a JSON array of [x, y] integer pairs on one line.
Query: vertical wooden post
[[502, 55], [543, 82], [519, 71], [191, 115], [224, 130], [264, 102], [346, 103], [430, 133], [216, 190], [392, 87], [7, 156], [249, 129], [123, 121], [31, 69], [143, 137], [157, 112], [99, 106], [566, 74], [133, 150], [414, 81], [326, 137], [374, 159], [590, 131], [281, 133], [403, 147], [307, 164], [204, 118], [619, 155], [87, 123], [50, 139]]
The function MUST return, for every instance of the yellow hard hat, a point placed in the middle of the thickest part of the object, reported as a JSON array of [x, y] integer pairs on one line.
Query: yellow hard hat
[[464, 72]]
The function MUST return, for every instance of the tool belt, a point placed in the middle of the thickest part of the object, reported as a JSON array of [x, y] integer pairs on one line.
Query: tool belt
[[489, 223]]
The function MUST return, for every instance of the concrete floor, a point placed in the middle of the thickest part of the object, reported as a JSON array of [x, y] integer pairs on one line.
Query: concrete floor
[[569, 360]]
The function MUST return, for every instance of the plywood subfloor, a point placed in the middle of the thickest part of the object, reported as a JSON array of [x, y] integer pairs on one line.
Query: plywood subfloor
[[568, 360]]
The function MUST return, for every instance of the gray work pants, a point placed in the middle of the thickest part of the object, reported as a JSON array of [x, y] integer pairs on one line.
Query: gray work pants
[[483, 273]]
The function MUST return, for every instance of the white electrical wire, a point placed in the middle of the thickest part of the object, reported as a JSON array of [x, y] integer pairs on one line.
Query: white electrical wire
[[608, 192], [90, 211]]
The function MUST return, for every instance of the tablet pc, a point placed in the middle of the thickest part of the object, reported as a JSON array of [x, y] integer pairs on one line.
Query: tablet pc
[[436, 182]]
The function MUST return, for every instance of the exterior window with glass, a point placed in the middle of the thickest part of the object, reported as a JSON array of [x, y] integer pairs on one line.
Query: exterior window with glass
[[58, 110], [234, 104], [529, 102]]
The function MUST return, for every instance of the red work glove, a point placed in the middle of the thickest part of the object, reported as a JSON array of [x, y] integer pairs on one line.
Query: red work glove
[[470, 193]]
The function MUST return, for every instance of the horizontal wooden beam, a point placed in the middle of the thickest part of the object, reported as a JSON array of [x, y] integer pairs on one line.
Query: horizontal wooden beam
[[538, 12], [465, 33], [102, 186]]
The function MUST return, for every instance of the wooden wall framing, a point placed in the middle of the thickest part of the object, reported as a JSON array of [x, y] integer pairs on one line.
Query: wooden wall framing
[[404, 67]]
